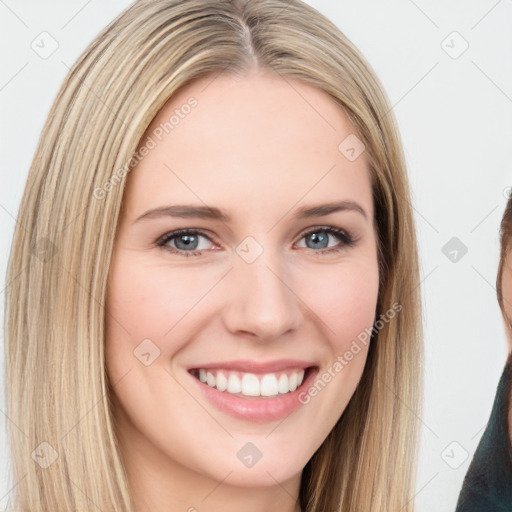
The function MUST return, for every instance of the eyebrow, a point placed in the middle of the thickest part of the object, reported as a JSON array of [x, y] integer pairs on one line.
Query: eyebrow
[[187, 211]]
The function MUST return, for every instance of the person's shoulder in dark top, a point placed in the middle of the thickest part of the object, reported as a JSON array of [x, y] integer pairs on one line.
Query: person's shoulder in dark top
[[487, 485]]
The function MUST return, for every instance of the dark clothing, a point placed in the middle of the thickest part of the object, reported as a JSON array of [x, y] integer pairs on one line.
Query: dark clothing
[[487, 485]]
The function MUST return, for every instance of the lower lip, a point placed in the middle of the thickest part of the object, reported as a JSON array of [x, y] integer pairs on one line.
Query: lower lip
[[254, 409]]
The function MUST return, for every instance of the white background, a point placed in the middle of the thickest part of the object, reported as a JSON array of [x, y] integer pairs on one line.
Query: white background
[[455, 117]]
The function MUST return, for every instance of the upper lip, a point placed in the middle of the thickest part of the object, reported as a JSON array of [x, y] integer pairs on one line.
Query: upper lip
[[255, 366]]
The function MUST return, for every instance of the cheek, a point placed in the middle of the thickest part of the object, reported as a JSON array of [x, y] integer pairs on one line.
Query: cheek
[[141, 306], [506, 288], [345, 299], [149, 301]]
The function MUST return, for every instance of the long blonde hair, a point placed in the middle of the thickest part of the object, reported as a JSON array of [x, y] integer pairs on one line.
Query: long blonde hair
[[65, 454]]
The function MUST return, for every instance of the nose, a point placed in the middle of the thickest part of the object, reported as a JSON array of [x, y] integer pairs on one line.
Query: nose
[[262, 300]]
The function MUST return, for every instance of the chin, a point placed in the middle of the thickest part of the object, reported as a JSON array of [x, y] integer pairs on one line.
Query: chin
[[259, 476]]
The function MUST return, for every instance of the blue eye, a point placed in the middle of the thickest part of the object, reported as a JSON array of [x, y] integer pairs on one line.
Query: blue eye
[[320, 235], [186, 238], [186, 241]]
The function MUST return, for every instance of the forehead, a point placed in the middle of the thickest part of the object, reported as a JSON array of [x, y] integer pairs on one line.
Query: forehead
[[249, 143]]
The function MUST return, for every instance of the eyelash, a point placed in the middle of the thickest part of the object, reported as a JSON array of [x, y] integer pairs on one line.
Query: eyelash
[[346, 239]]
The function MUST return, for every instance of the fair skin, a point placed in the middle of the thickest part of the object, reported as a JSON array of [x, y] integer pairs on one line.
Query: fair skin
[[506, 290], [259, 149]]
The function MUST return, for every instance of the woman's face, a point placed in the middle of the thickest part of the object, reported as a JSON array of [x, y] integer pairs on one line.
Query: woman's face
[[260, 293]]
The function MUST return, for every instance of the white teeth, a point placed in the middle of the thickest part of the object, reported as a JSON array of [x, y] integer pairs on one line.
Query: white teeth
[[249, 384], [268, 386], [210, 379], [222, 382], [234, 384], [292, 382], [283, 384]]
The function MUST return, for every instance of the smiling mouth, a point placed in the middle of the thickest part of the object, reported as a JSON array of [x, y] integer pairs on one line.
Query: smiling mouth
[[253, 385]]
